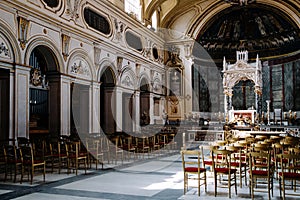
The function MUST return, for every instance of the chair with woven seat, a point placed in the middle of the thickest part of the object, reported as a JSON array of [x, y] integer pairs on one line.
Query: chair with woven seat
[[290, 171], [222, 166], [193, 169], [261, 172], [30, 163]]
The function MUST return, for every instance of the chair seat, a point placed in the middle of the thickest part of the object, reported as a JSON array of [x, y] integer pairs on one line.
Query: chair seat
[[194, 169], [290, 175], [14, 161], [260, 172], [35, 162], [237, 164], [59, 155], [208, 162], [225, 170]]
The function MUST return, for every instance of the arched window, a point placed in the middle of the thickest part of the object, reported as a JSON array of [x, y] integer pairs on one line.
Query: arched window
[[96, 21], [133, 8]]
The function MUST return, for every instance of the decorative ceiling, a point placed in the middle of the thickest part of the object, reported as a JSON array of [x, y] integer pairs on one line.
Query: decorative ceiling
[[264, 27], [260, 30]]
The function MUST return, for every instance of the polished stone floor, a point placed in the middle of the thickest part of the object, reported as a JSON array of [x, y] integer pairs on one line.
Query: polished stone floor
[[159, 177]]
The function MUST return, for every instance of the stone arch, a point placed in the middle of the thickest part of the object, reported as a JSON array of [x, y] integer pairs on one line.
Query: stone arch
[[144, 80], [11, 41], [46, 42], [104, 64], [80, 65]]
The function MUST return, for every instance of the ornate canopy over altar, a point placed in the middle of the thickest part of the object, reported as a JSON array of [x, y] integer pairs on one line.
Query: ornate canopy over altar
[[241, 71]]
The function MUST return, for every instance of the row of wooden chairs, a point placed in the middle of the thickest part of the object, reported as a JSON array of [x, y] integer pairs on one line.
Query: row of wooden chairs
[[256, 157]]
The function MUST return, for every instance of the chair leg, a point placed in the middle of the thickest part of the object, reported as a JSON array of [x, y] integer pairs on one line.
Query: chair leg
[[235, 184], [283, 189], [205, 183], [198, 184], [229, 185], [215, 185], [184, 184]]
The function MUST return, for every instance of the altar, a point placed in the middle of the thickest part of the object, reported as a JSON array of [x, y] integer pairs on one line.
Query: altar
[[238, 72], [243, 116]]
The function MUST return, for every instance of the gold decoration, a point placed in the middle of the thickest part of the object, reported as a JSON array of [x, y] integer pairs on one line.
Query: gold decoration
[[23, 25]]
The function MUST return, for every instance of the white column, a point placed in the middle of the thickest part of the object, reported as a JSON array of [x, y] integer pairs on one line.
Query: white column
[[65, 105], [95, 108], [187, 80], [151, 109], [22, 101], [136, 107], [119, 110], [11, 105]]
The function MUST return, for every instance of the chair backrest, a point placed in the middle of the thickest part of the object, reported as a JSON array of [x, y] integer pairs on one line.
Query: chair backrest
[[27, 154], [191, 158], [290, 162], [11, 153], [260, 161], [221, 158]]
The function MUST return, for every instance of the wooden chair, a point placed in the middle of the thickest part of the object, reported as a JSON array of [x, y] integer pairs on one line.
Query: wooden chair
[[221, 160], [142, 145], [30, 163], [60, 154], [290, 171], [76, 155], [13, 161], [116, 148], [239, 162], [94, 152], [261, 172], [2, 158], [193, 169], [129, 147]]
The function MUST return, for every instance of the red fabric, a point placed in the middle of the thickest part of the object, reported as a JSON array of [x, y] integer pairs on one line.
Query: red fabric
[[290, 175], [209, 162], [225, 170], [194, 169], [237, 164], [260, 172]]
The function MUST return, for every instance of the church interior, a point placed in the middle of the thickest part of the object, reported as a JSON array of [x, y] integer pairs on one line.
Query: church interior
[[91, 87]]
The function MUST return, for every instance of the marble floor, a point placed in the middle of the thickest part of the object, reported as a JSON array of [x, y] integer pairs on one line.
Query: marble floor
[[157, 177]]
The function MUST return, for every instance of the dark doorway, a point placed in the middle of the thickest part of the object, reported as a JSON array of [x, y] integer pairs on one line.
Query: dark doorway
[[107, 102], [4, 104]]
